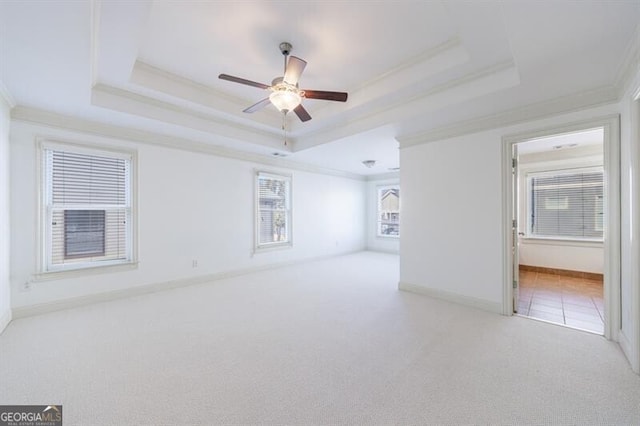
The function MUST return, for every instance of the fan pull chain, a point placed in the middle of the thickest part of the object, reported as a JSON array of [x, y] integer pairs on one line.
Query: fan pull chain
[[284, 127]]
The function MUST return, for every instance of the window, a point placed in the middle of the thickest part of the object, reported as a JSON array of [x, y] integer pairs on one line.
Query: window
[[273, 210], [87, 208], [389, 211], [83, 233], [566, 204]]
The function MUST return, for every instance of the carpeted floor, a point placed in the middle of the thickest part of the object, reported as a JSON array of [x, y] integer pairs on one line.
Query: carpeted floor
[[327, 342]]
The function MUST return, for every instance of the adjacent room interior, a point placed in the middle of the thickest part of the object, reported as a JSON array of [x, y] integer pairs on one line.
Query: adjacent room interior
[[308, 212], [561, 207]]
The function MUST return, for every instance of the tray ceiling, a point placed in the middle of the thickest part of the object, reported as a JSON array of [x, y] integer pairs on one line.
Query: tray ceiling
[[409, 70]]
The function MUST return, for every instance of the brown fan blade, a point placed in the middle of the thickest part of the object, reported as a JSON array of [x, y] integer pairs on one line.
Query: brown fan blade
[[295, 66], [242, 81], [257, 106], [327, 96], [302, 113]]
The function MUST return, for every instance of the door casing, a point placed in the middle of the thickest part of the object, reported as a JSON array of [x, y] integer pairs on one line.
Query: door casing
[[611, 243]]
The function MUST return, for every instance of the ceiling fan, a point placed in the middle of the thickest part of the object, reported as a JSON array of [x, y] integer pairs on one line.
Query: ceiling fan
[[285, 94]]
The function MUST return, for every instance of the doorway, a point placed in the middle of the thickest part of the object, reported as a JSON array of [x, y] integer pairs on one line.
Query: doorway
[[562, 204], [560, 223]]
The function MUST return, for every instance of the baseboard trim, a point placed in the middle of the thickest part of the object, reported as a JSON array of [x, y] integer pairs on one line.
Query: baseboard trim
[[387, 251], [627, 350], [5, 319], [75, 302], [563, 272], [473, 302]]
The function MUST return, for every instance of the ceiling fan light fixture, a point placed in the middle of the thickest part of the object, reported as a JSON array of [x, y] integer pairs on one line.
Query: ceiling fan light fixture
[[285, 98], [285, 93]]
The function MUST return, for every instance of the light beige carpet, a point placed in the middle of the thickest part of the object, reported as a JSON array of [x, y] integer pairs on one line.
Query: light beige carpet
[[327, 342]]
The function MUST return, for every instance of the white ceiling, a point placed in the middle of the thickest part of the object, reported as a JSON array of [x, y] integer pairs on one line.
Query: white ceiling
[[409, 67]]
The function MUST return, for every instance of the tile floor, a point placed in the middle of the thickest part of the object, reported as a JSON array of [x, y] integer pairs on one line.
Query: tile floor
[[576, 302]]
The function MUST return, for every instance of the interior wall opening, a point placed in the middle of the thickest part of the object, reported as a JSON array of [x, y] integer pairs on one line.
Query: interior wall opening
[[560, 209]]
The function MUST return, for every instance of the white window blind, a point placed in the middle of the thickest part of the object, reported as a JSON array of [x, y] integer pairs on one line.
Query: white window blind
[[389, 211], [274, 209], [88, 209], [566, 204]]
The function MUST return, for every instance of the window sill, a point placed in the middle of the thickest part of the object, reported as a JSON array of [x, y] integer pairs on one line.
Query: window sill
[[84, 271], [561, 242], [388, 237], [272, 247]]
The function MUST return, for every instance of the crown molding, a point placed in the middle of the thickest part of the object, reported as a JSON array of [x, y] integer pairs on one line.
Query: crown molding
[[630, 64], [6, 95], [383, 176], [64, 122], [561, 105], [94, 41], [487, 80], [142, 71], [132, 103], [451, 45], [174, 85], [441, 58]]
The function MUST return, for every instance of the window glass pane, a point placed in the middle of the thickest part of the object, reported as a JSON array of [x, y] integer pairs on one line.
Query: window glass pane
[[389, 211], [273, 209], [566, 205], [84, 233]]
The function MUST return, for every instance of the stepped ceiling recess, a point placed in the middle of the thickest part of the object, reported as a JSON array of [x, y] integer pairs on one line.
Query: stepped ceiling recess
[[414, 71]]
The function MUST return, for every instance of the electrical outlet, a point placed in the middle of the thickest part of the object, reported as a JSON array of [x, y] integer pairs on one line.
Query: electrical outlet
[[26, 286], [194, 263]]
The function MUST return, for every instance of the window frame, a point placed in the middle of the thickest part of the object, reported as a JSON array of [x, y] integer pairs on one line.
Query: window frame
[[528, 201], [379, 190], [47, 270], [288, 178]]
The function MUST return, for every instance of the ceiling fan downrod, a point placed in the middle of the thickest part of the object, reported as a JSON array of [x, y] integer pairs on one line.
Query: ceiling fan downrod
[[285, 48]]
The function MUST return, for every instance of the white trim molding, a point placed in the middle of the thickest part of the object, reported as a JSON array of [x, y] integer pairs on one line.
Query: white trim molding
[[383, 176], [180, 87], [144, 106], [482, 304], [74, 302], [631, 343], [471, 86], [6, 95], [630, 64], [528, 113], [5, 319], [94, 41], [64, 122]]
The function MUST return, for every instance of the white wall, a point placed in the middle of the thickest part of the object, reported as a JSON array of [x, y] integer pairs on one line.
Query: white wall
[[5, 291], [452, 206], [374, 242], [570, 255], [191, 206], [451, 239]]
